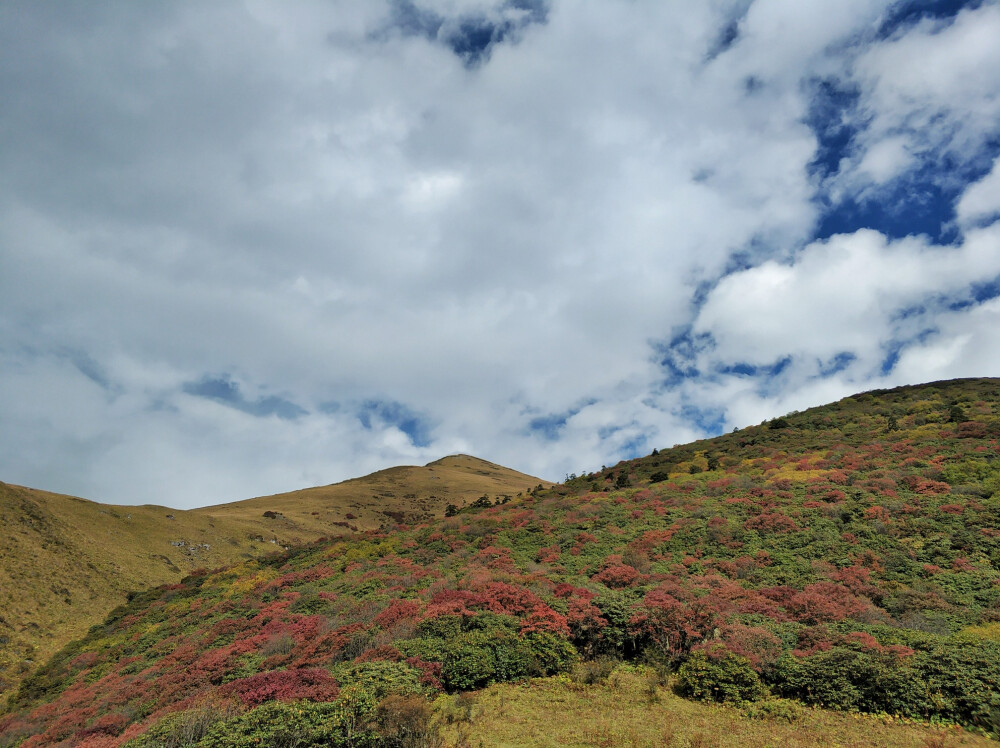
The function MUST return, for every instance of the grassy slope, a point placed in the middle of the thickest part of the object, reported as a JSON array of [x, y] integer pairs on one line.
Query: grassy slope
[[826, 546], [66, 562], [631, 710], [409, 494]]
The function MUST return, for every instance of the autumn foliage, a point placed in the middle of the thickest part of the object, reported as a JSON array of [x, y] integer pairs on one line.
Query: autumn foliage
[[831, 560]]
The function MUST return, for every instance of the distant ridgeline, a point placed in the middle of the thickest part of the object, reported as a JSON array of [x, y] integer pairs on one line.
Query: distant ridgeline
[[847, 556]]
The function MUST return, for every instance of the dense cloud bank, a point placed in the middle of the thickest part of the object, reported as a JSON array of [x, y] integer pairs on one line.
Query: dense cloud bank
[[248, 246]]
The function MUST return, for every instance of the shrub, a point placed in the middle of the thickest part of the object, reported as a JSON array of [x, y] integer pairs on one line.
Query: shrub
[[381, 678], [183, 729], [719, 675], [849, 680], [963, 682], [591, 672], [403, 721], [314, 684], [549, 653], [295, 725]]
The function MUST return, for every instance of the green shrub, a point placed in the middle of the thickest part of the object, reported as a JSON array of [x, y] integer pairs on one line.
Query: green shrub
[[381, 678], [549, 653], [719, 677], [470, 661], [591, 672], [477, 658], [961, 682], [345, 722], [182, 729], [850, 680]]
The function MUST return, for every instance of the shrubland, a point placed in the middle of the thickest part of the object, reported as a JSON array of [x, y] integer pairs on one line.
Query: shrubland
[[845, 557]]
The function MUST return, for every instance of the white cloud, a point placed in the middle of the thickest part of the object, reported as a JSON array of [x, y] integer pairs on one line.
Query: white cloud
[[931, 91], [327, 209], [850, 293], [981, 201], [885, 160]]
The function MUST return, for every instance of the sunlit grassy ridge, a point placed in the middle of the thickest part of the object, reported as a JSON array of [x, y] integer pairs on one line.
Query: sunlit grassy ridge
[[66, 562], [844, 557]]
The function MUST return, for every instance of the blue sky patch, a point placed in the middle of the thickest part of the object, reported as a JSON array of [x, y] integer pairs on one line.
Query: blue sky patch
[[223, 389], [373, 413], [92, 370], [832, 117], [710, 421], [637, 446], [743, 369], [905, 14], [469, 37], [550, 425], [677, 357], [916, 203], [894, 349], [986, 291], [837, 364]]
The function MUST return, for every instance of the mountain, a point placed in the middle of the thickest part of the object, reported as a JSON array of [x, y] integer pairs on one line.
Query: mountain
[[844, 557], [404, 494], [67, 562]]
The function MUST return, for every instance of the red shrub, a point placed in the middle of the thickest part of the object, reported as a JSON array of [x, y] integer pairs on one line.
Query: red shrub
[[385, 653], [771, 522], [109, 724], [822, 602], [815, 639], [855, 578], [757, 644], [326, 645], [397, 611], [510, 599], [549, 555], [585, 620], [962, 564], [314, 684], [837, 476], [430, 672], [543, 618], [617, 576], [971, 430], [670, 625], [924, 485], [581, 540], [652, 538], [877, 514], [453, 602]]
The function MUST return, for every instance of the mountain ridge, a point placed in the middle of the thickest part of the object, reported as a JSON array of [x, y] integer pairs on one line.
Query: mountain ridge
[[69, 560], [846, 556]]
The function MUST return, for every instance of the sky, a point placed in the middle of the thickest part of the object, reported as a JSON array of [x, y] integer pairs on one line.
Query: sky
[[248, 247]]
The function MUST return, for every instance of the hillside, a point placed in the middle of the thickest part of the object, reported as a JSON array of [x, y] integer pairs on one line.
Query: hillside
[[405, 494], [845, 557], [66, 562]]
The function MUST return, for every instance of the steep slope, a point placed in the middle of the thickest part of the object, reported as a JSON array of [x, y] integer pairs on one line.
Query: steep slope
[[67, 561], [845, 557]]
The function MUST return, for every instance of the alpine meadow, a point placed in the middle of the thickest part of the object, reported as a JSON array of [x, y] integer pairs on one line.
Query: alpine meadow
[[499, 373], [842, 558]]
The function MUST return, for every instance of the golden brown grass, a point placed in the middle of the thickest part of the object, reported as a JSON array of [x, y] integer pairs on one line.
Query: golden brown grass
[[66, 562], [409, 494], [632, 711]]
